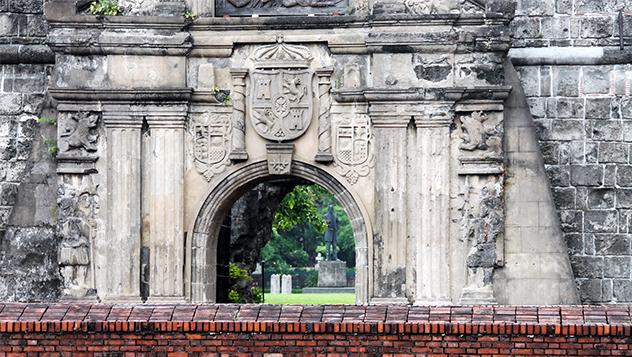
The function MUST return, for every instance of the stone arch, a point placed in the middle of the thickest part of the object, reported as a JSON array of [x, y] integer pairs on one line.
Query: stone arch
[[203, 245]]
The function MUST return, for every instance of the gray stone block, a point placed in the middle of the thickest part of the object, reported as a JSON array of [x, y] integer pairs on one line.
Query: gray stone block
[[564, 197], [617, 267], [626, 108], [612, 244], [613, 152], [535, 7], [587, 266], [598, 108], [596, 27], [566, 81], [525, 27], [565, 108], [624, 198], [556, 27], [602, 221], [537, 107], [574, 243], [622, 290], [530, 79], [567, 130], [597, 79], [26, 6], [571, 221], [8, 194], [590, 291], [600, 198], [558, 175], [606, 130], [624, 175], [10, 103], [587, 175]]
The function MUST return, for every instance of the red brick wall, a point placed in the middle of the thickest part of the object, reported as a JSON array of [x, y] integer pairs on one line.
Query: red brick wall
[[258, 330]]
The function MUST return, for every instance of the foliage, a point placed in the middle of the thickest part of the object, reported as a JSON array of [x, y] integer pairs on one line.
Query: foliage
[[234, 296], [301, 207], [53, 149], [105, 8], [312, 279], [47, 120], [298, 231], [189, 15], [222, 95], [237, 274], [257, 295]]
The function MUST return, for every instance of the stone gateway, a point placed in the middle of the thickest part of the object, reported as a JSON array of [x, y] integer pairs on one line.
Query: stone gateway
[[410, 112]]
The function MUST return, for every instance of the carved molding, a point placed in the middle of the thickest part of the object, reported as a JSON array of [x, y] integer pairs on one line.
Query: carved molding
[[282, 55], [279, 7], [353, 151], [211, 134]]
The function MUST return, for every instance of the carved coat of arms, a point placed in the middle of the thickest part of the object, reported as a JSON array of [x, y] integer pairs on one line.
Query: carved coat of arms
[[353, 147], [281, 102], [210, 143]]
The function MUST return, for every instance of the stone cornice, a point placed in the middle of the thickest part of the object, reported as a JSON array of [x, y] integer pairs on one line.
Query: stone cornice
[[134, 96], [497, 93]]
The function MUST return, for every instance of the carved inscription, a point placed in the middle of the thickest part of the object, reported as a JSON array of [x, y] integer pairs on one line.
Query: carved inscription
[[279, 7], [353, 152], [211, 142]]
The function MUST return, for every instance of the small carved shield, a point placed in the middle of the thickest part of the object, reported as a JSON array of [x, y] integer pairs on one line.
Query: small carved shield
[[281, 102], [210, 138], [352, 142]]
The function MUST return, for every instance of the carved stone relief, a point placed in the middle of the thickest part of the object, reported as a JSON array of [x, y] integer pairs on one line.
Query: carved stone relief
[[76, 227], [281, 103], [280, 7], [353, 153], [280, 158], [424, 7], [481, 150], [211, 134], [78, 133], [483, 225]]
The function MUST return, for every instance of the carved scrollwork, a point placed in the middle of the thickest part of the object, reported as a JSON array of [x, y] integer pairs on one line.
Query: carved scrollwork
[[353, 152], [481, 146], [211, 143]]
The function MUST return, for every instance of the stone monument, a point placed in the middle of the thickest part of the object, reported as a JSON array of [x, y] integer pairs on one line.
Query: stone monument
[[286, 284], [331, 271], [275, 284]]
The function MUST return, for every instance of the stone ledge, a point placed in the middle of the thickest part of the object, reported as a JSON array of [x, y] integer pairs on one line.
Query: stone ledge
[[560, 320], [26, 54]]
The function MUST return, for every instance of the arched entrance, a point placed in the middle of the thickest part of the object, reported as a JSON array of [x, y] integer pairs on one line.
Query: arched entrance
[[203, 244]]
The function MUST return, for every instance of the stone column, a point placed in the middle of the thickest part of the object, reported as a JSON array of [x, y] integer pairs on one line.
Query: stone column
[[166, 209], [390, 241], [430, 173], [238, 145], [324, 154], [123, 229]]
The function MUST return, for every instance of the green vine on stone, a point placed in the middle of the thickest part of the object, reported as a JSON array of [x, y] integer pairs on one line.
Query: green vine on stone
[[189, 15], [105, 8], [47, 120], [53, 149], [222, 95]]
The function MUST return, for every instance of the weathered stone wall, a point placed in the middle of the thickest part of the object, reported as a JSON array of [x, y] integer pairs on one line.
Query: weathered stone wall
[[577, 82], [28, 246]]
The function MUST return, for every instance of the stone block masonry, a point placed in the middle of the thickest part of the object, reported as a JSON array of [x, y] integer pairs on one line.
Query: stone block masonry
[[577, 82], [93, 330]]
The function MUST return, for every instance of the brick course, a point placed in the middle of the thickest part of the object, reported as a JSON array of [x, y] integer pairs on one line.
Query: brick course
[[103, 330]]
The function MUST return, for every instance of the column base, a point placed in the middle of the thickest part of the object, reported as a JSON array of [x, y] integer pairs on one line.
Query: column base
[[238, 156], [165, 300], [433, 302], [389, 301], [122, 300], [324, 158], [480, 296]]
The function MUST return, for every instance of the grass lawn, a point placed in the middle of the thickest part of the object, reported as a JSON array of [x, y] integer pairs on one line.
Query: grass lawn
[[309, 299]]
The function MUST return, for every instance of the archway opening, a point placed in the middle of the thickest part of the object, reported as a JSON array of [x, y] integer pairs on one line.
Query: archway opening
[[287, 241], [212, 230]]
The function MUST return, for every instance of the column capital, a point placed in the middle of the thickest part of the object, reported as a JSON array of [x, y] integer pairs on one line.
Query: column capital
[[166, 122], [425, 122], [239, 72], [116, 120], [390, 120]]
